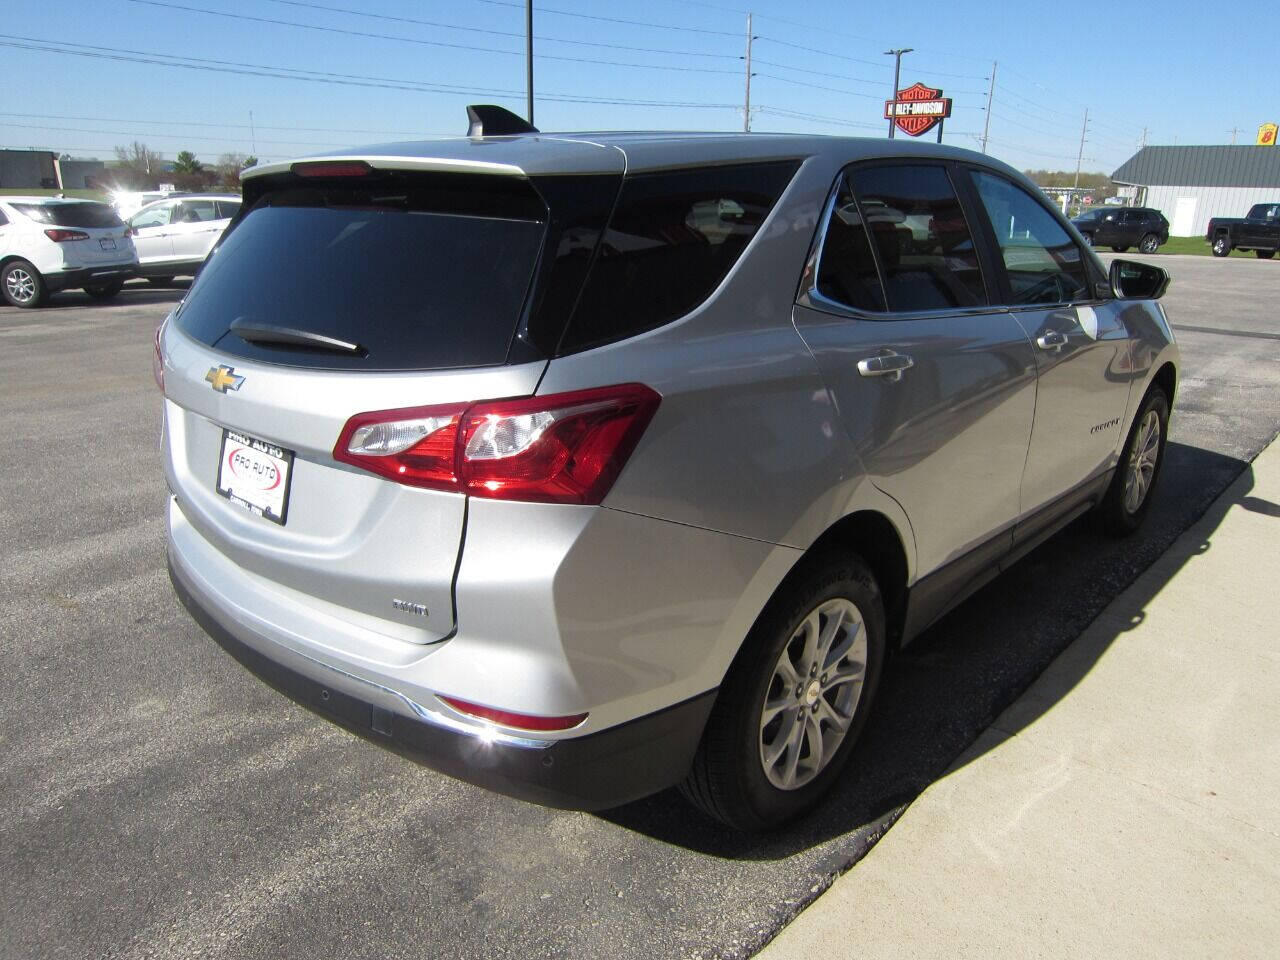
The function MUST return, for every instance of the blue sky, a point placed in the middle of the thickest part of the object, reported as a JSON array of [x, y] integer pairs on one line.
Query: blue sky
[[1186, 72]]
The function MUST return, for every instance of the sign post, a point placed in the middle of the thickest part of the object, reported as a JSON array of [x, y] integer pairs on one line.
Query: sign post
[[918, 109]]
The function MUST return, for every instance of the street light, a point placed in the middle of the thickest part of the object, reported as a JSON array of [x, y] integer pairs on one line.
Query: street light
[[897, 70]]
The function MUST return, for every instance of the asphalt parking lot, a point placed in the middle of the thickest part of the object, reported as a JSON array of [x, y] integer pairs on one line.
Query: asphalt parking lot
[[158, 801]]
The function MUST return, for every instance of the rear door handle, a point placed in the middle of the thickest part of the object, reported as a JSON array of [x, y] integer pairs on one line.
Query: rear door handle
[[1053, 340], [889, 365]]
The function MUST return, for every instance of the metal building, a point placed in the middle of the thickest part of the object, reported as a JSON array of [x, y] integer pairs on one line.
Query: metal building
[[1190, 185]]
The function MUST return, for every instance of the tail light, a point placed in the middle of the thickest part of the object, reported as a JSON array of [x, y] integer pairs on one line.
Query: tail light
[[332, 168], [521, 721], [562, 448], [62, 236]]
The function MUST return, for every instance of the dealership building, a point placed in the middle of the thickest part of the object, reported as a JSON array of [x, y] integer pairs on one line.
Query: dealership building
[[1191, 185]]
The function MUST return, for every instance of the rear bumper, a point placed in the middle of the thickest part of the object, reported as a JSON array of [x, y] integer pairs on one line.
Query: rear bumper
[[86, 276], [592, 772]]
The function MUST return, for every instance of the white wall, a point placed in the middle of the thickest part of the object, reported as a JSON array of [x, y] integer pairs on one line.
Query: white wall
[[1210, 202]]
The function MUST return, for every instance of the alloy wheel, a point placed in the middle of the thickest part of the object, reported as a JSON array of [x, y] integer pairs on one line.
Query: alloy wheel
[[21, 285], [813, 694], [1142, 462]]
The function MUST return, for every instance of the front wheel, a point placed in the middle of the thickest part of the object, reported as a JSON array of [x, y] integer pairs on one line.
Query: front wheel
[[1120, 249], [22, 285], [1265, 254], [1221, 245], [104, 291], [795, 700], [1149, 244], [1129, 497]]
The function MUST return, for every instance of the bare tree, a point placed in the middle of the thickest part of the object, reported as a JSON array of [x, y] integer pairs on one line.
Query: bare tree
[[139, 158]]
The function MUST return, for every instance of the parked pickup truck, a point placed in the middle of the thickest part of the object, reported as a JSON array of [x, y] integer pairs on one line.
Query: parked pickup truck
[[1259, 232]]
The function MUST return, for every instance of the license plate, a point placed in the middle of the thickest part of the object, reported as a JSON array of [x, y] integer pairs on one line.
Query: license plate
[[255, 474], [107, 243]]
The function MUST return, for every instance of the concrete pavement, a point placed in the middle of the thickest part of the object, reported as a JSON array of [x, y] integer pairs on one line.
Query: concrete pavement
[[1127, 805]]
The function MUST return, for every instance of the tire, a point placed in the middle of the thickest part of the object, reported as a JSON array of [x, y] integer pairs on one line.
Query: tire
[[1264, 254], [1120, 249], [105, 291], [22, 285], [159, 281], [1088, 238], [733, 779], [1149, 244], [1221, 245], [1129, 497]]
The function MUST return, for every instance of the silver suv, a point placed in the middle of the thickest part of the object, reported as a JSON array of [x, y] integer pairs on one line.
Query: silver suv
[[579, 466]]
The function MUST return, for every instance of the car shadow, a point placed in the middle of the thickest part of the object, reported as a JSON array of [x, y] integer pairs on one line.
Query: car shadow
[[951, 683], [136, 293]]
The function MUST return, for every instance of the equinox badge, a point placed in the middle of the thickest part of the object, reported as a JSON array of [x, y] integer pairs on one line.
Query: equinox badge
[[223, 379]]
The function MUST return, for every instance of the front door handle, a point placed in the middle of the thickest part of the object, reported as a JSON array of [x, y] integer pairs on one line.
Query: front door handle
[[889, 365], [1053, 340]]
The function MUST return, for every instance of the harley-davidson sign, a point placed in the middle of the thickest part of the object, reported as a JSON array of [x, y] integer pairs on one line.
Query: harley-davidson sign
[[917, 109]]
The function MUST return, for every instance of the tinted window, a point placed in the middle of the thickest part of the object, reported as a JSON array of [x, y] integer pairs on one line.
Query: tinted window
[[920, 237], [157, 216], [195, 211], [420, 275], [3, 219], [670, 241], [847, 271], [1041, 261], [88, 214], [228, 209]]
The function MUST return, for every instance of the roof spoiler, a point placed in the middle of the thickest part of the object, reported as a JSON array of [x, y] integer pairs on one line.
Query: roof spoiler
[[488, 120]]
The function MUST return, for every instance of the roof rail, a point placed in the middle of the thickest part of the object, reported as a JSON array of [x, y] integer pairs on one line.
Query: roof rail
[[488, 120]]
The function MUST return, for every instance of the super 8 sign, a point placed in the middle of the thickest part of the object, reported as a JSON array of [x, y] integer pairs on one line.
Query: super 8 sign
[[917, 109]]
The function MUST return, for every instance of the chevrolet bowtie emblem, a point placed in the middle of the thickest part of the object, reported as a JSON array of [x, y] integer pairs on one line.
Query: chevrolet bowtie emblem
[[223, 379]]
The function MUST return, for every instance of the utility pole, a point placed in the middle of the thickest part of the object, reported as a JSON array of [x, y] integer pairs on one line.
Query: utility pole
[[991, 95], [1144, 139], [528, 55], [1080, 155], [746, 110], [1234, 131], [253, 136], [897, 72]]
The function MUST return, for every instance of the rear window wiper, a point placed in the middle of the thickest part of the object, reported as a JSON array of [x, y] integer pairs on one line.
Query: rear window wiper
[[252, 332]]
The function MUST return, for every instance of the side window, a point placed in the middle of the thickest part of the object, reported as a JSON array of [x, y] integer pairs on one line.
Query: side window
[[155, 217], [3, 219], [670, 241], [847, 271], [195, 211], [920, 238], [228, 209], [1042, 263]]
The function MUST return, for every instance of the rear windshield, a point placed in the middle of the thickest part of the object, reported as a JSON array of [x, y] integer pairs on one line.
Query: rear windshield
[[417, 275], [86, 214]]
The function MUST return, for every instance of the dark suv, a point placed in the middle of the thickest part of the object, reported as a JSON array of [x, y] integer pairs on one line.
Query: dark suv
[[1124, 227]]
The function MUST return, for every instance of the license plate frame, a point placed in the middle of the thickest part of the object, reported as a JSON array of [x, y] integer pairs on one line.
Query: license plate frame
[[245, 477], [107, 243]]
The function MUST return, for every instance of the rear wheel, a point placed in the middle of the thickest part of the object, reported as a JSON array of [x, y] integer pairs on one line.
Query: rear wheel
[[22, 285], [1265, 254], [104, 291], [796, 699], [1129, 496], [1149, 244], [1221, 245]]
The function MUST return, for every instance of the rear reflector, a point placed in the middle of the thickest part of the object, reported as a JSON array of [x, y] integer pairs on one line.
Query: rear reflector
[[332, 168], [562, 448], [62, 236], [521, 721]]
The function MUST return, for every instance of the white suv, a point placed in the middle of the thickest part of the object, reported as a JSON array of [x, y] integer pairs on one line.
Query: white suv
[[49, 244], [175, 236]]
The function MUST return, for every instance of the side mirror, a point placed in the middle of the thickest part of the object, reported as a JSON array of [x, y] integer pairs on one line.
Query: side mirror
[[1137, 281]]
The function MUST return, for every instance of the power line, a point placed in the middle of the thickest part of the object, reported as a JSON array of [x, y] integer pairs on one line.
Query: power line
[[817, 86], [631, 23], [497, 33], [821, 73], [313, 76], [364, 34], [184, 136], [825, 53], [796, 114], [197, 123]]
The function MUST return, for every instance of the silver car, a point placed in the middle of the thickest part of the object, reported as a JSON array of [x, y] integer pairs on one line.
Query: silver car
[[580, 466], [175, 235]]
